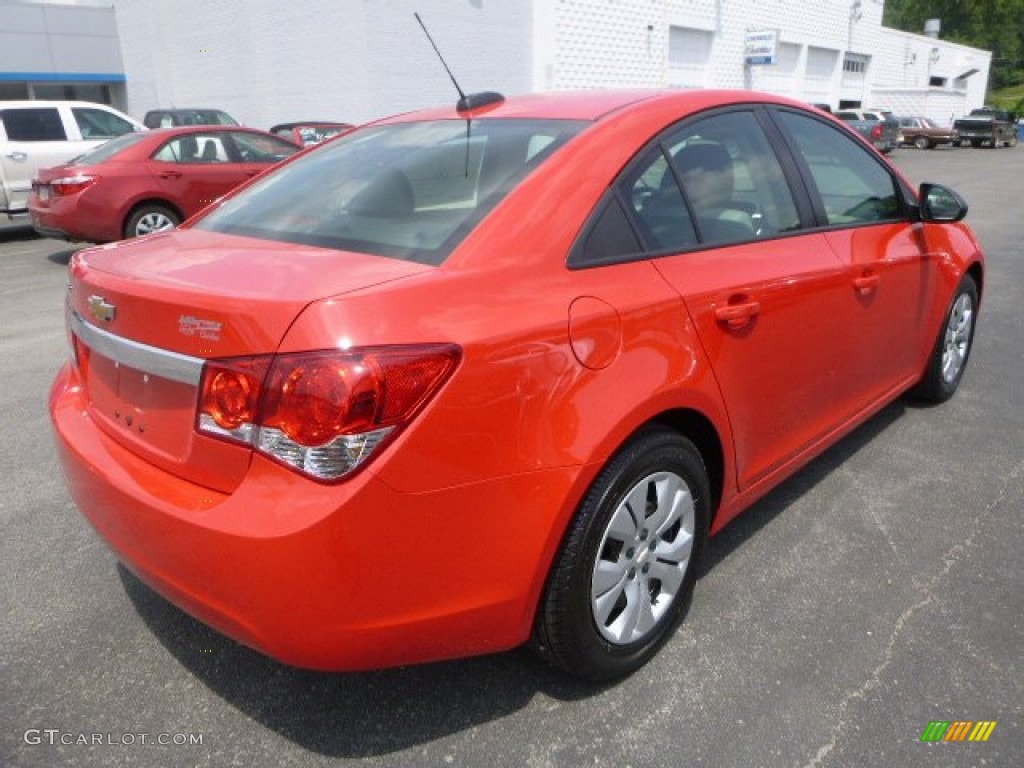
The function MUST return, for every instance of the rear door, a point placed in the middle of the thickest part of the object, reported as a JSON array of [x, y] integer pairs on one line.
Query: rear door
[[192, 170]]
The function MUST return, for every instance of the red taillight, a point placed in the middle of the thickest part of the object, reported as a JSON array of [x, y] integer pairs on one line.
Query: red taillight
[[323, 413], [876, 131], [231, 389], [71, 185], [314, 398]]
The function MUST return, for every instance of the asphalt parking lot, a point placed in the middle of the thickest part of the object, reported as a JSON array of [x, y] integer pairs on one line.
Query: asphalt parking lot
[[878, 590]]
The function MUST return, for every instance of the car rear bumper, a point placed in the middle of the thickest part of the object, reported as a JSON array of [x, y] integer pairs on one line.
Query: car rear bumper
[[353, 576]]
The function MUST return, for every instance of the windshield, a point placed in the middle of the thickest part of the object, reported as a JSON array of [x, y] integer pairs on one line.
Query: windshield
[[409, 190], [108, 149]]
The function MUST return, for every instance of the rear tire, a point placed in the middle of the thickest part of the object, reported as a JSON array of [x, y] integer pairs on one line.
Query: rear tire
[[952, 347], [922, 143], [147, 219], [624, 578]]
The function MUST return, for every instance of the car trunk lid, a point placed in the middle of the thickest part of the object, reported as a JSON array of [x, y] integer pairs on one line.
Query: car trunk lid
[[147, 313]]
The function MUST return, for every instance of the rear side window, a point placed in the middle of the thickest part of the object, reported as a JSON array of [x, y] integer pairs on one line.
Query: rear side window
[[409, 190], [108, 149], [100, 124], [33, 124], [732, 179], [853, 186]]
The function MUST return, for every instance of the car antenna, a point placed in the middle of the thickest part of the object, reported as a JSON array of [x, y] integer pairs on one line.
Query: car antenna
[[473, 100]]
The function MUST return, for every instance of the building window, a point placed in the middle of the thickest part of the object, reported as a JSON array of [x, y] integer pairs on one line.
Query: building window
[[689, 51], [855, 63]]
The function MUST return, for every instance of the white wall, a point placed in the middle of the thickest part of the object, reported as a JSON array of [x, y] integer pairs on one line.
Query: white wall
[[700, 44], [268, 61]]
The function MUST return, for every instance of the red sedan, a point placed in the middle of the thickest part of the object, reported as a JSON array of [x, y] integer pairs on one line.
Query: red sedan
[[459, 381], [149, 181]]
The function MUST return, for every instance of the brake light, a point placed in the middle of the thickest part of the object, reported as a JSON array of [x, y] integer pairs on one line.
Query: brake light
[[876, 131], [71, 185], [322, 413]]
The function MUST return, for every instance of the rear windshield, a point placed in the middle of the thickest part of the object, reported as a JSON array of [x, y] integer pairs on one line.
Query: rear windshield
[[108, 149], [411, 190]]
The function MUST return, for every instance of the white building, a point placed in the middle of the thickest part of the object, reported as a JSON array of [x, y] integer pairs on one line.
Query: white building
[[267, 61]]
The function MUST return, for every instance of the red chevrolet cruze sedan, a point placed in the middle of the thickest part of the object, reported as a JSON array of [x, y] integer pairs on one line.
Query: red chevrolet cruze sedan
[[148, 182], [462, 380]]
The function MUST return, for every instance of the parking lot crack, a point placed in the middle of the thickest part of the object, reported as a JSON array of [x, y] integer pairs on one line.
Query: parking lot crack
[[951, 557]]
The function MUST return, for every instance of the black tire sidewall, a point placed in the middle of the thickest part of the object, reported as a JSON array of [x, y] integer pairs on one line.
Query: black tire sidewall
[[139, 213], [933, 387], [582, 650]]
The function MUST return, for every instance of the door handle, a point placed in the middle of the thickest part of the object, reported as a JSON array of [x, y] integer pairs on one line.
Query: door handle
[[250, 174], [866, 283], [738, 312], [169, 174], [18, 157]]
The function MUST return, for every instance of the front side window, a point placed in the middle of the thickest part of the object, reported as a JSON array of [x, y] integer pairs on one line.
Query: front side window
[[854, 187], [407, 190], [33, 124], [255, 148], [100, 124]]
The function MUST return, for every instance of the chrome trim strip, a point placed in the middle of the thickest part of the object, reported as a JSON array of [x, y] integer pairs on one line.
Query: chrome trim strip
[[142, 357]]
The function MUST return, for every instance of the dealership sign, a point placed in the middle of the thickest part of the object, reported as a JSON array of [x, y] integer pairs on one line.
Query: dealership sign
[[760, 46]]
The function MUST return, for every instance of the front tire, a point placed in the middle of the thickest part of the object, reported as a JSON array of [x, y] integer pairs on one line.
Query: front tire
[[625, 575], [952, 347], [922, 143]]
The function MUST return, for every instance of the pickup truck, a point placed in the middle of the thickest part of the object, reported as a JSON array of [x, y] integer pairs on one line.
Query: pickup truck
[[878, 126], [987, 126]]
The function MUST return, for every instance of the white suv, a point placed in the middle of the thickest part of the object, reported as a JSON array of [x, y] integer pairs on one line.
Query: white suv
[[40, 134]]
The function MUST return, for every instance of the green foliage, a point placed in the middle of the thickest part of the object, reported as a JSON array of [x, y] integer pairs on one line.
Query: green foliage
[[993, 25]]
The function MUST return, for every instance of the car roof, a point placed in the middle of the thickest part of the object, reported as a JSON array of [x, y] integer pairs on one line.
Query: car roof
[[186, 109], [596, 104]]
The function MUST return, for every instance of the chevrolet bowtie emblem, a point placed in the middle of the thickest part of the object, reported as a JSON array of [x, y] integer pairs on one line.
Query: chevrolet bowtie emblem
[[101, 309]]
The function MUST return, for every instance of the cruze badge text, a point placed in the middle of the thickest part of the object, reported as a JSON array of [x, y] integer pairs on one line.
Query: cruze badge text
[[204, 329]]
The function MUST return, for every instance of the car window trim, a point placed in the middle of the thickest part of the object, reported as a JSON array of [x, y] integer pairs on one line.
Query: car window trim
[[822, 222], [576, 258], [803, 198]]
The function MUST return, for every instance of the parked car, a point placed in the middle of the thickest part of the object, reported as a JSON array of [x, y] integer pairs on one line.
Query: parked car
[[461, 380], [148, 182], [924, 133], [37, 134], [166, 118], [310, 132], [880, 127], [987, 126]]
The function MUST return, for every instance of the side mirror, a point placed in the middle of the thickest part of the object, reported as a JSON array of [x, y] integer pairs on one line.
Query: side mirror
[[940, 204]]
